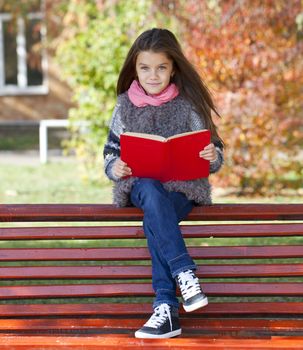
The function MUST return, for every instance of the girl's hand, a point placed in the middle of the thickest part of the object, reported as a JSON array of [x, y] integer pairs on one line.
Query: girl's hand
[[120, 169], [209, 153]]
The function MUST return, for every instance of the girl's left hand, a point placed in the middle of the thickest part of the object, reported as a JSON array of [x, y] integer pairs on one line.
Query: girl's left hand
[[209, 153]]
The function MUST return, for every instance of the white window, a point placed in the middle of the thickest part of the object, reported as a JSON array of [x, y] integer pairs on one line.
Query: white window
[[23, 64]]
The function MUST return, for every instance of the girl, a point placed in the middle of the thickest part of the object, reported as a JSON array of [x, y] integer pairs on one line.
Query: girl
[[159, 92]]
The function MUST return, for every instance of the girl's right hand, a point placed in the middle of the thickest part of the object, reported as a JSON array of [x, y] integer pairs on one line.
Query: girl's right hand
[[120, 169]]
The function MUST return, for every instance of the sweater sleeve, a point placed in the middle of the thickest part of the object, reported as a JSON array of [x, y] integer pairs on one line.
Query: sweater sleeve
[[111, 151], [196, 123]]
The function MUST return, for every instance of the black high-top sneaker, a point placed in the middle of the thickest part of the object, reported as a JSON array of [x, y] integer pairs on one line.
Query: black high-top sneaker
[[192, 294], [163, 323]]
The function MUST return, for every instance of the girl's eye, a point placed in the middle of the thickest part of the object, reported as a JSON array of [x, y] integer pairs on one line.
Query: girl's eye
[[144, 68], [162, 67]]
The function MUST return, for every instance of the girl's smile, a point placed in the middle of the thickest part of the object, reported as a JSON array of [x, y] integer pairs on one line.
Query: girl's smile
[[154, 71]]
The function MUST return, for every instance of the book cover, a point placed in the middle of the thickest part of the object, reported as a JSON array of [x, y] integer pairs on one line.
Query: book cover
[[165, 159]]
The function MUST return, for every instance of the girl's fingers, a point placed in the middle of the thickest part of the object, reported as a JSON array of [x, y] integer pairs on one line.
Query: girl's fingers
[[210, 155], [120, 169], [206, 153], [209, 152], [208, 147], [126, 171]]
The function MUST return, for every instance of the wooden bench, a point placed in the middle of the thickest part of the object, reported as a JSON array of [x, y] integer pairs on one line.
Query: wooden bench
[[92, 290]]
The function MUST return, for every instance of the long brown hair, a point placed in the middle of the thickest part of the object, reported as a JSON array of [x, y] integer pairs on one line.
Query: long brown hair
[[185, 75]]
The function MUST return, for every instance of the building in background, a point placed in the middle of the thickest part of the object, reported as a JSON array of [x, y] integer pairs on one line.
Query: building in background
[[30, 84]]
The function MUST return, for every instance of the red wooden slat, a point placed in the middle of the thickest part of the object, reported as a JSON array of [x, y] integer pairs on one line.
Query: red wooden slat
[[141, 253], [145, 289], [128, 341], [75, 272], [107, 212], [248, 212], [250, 270], [235, 308], [210, 325], [139, 271], [118, 232], [66, 232]]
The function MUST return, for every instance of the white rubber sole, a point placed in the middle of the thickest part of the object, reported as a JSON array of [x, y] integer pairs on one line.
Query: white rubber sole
[[143, 335], [203, 302]]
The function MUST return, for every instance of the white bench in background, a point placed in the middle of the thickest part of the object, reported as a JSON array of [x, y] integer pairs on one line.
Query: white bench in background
[[43, 134]]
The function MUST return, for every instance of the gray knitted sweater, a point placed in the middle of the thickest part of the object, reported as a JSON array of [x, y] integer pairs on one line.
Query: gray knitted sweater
[[171, 118]]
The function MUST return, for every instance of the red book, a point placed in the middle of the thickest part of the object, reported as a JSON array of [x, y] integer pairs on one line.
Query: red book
[[173, 158]]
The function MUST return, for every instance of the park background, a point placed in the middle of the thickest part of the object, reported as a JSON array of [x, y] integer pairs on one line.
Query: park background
[[249, 53]]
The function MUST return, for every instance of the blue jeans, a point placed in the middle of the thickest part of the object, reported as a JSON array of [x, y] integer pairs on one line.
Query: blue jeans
[[163, 211]]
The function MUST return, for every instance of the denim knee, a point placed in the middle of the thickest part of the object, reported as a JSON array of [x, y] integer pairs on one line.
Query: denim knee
[[147, 185], [147, 191]]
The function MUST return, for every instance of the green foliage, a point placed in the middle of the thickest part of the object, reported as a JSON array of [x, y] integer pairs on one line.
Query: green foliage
[[91, 57]]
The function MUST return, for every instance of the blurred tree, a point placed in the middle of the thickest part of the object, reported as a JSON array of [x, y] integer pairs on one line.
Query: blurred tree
[[250, 53], [54, 11], [19, 6], [91, 50], [91, 39]]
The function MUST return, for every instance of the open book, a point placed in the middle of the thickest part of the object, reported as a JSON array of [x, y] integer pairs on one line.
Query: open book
[[165, 159]]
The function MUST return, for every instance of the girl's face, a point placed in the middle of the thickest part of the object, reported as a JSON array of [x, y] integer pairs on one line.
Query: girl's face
[[154, 71]]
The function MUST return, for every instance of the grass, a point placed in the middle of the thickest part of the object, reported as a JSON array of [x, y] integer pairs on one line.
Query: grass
[[59, 182], [62, 182]]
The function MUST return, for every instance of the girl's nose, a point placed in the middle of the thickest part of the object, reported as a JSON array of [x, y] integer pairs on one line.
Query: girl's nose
[[154, 73]]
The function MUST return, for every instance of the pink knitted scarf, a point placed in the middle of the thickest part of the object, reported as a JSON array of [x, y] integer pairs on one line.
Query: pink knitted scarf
[[139, 98]]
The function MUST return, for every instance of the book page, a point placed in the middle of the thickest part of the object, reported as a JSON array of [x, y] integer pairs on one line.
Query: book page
[[146, 136], [186, 134]]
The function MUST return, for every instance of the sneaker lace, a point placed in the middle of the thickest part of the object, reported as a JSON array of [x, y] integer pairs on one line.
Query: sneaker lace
[[161, 313], [189, 284]]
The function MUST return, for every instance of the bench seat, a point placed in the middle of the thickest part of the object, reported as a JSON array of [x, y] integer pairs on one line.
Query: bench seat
[[79, 277]]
